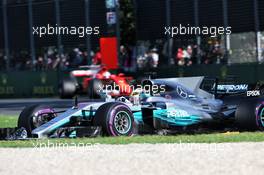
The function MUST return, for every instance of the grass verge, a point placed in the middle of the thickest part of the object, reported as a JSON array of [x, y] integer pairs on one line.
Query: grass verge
[[11, 121], [8, 121]]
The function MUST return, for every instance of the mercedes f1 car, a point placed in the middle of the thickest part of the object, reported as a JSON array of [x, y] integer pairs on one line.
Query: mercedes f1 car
[[171, 105], [90, 79]]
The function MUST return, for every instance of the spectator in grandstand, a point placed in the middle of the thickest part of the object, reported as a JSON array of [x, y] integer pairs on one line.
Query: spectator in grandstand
[[187, 55], [126, 58], [148, 61], [151, 59], [180, 57], [78, 58], [39, 64], [123, 56], [56, 62], [154, 57], [49, 63], [84, 56], [64, 63], [141, 61], [217, 53], [212, 53]]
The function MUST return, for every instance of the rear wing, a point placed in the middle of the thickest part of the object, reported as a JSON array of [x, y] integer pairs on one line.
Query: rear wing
[[228, 86]]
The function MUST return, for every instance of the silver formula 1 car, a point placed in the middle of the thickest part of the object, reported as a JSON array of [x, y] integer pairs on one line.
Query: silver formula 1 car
[[171, 105]]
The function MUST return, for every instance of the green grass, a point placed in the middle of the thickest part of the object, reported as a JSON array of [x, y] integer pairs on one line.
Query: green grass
[[154, 139], [10, 121]]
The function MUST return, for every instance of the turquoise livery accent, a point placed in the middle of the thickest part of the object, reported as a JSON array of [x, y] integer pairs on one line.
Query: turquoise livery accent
[[138, 116], [73, 134], [176, 117]]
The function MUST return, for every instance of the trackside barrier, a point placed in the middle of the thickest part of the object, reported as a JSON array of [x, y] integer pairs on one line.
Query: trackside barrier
[[247, 73], [28, 84], [45, 84]]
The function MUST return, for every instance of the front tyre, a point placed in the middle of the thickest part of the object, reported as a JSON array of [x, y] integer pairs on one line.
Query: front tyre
[[250, 114], [116, 119]]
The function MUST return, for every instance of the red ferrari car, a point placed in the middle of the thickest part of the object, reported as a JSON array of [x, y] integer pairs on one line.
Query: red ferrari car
[[95, 80]]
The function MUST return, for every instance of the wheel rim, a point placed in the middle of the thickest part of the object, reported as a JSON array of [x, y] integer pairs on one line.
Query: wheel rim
[[122, 122], [41, 117], [38, 120]]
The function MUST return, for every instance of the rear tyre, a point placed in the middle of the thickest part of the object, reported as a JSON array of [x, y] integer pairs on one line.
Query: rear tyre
[[250, 115], [116, 119], [94, 89], [34, 116], [67, 88]]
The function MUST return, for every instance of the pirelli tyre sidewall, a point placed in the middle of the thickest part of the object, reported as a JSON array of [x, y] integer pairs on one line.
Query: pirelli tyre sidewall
[[115, 118], [250, 114]]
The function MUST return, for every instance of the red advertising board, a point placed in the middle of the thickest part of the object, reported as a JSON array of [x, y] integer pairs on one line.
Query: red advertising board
[[108, 47]]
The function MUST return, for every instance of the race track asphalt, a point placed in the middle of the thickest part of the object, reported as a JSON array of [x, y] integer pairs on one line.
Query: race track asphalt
[[136, 159], [15, 106]]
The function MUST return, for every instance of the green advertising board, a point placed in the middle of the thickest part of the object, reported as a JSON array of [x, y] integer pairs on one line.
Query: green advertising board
[[28, 84], [44, 84]]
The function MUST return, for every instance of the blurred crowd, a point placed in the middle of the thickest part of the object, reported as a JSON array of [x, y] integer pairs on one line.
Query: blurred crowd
[[49, 60], [213, 53], [131, 58], [52, 60], [182, 56]]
